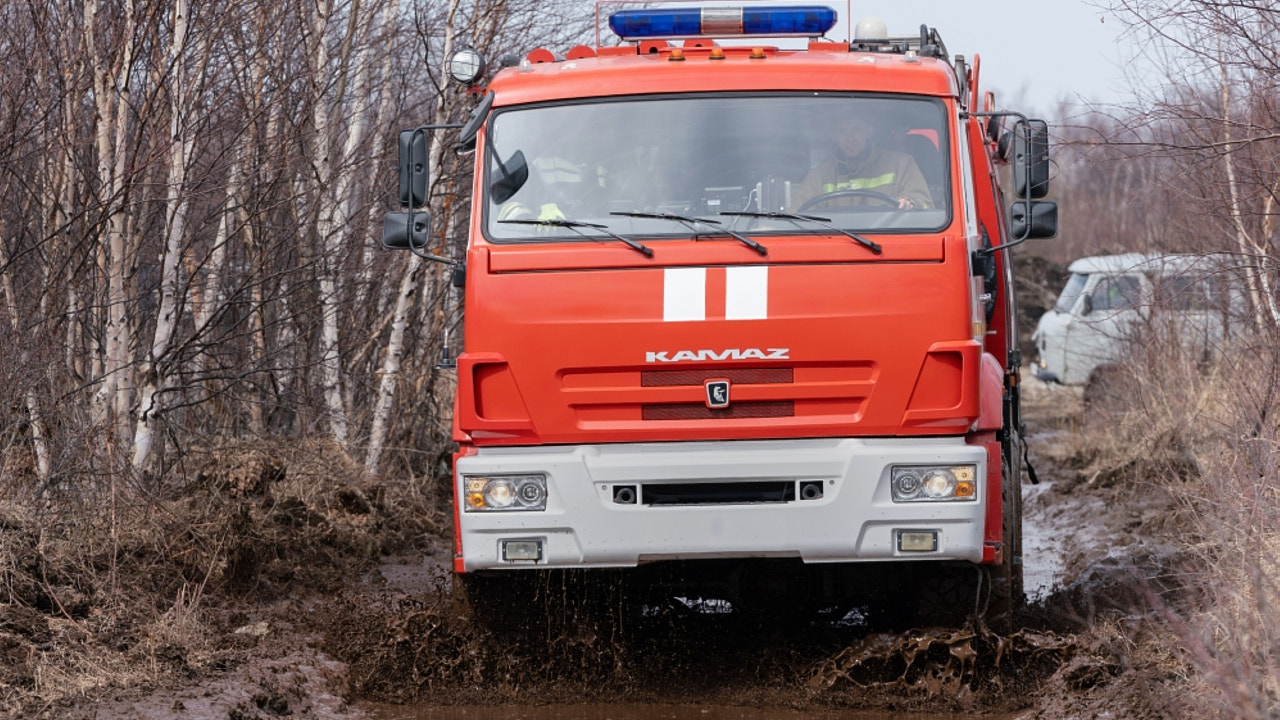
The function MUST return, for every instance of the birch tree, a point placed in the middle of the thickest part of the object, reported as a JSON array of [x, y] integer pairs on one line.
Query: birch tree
[[184, 83], [113, 70]]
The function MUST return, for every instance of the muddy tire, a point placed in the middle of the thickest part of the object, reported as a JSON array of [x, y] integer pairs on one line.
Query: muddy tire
[[1005, 580], [547, 603], [501, 603], [952, 594]]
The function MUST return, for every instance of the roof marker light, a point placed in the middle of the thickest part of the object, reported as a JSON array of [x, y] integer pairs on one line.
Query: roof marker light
[[800, 21]]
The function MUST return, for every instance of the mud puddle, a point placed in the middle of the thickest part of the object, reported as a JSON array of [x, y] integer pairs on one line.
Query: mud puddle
[[1043, 545], [640, 712]]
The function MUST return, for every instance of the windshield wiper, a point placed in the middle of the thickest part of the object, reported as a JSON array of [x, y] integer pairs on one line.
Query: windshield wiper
[[825, 222], [576, 225], [697, 221]]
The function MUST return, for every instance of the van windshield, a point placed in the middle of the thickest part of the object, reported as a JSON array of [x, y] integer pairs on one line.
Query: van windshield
[[1071, 293], [868, 164]]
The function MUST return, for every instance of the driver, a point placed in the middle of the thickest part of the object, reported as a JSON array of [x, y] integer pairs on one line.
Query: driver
[[858, 164]]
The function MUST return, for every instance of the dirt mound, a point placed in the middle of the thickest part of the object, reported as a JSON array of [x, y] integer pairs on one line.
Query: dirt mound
[[129, 586], [971, 668]]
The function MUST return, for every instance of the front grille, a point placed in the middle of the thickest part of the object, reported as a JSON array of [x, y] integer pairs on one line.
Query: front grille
[[697, 411], [697, 376]]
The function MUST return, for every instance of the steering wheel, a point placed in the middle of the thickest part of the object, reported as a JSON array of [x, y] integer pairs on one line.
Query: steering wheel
[[837, 194]]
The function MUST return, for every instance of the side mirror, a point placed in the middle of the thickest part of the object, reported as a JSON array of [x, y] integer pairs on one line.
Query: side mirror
[[1031, 159], [1042, 223], [413, 168], [515, 173], [1086, 305], [395, 230]]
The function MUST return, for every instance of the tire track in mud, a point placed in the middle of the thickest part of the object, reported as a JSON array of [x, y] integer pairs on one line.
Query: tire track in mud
[[418, 649]]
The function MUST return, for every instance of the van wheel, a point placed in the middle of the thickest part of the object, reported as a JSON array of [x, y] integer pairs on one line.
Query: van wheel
[[1103, 384]]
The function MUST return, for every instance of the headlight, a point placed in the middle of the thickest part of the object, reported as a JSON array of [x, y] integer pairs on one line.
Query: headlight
[[490, 493], [929, 483]]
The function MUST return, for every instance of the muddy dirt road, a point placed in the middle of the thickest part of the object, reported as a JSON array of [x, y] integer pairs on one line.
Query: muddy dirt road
[[392, 645], [640, 712]]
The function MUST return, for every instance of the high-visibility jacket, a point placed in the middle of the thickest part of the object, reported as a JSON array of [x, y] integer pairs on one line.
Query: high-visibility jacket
[[887, 172]]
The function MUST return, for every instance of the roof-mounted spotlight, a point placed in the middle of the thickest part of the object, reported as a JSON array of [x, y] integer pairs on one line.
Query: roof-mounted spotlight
[[467, 66]]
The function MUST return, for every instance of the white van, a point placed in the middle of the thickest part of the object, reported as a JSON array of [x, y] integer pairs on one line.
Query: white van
[[1110, 300]]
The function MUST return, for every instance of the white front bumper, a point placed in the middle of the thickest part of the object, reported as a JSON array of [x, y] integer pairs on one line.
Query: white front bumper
[[855, 519]]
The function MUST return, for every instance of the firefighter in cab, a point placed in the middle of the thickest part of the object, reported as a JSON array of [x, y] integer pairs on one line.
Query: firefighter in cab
[[861, 171]]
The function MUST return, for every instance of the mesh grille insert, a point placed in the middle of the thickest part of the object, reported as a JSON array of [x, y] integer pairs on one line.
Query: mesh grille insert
[[697, 376], [696, 411]]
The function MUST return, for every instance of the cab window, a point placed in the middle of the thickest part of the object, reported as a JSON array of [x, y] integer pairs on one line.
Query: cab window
[[1119, 292]]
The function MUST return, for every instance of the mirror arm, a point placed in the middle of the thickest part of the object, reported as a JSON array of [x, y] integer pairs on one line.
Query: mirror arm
[[1024, 125], [429, 256], [1026, 235]]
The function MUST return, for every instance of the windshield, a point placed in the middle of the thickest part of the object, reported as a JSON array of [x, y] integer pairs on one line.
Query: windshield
[[866, 164], [1071, 292]]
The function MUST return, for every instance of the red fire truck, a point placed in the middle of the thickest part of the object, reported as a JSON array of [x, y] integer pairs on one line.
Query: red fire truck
[[740, 319]]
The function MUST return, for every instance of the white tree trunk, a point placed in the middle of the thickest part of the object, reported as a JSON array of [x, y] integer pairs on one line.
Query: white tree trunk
[[230, 217], [364, 277], [1259, 282], [111, 98], [330, 240], [383, 400], [155, 380], [39, 445]]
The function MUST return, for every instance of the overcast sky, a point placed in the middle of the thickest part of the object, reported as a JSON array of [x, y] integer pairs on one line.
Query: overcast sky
[[1034, 52]]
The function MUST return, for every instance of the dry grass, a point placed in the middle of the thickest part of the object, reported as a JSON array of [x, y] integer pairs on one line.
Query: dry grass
[[1207, 429]]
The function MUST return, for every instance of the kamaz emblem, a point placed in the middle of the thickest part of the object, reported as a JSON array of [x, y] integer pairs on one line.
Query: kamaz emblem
[[717, 393], [671, 356]]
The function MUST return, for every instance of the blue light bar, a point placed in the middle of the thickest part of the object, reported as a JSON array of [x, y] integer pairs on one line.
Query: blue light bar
[[804, 21]]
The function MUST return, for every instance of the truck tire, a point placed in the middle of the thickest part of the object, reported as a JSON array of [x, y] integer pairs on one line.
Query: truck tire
[[1006, 588], [503, 604], [529, 603], [952, 594]]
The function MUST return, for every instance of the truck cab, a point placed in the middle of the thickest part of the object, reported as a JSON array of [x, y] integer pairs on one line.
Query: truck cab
[[709, 329]]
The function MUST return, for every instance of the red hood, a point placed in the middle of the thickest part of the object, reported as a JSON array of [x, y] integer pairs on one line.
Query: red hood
[[594, 344]]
